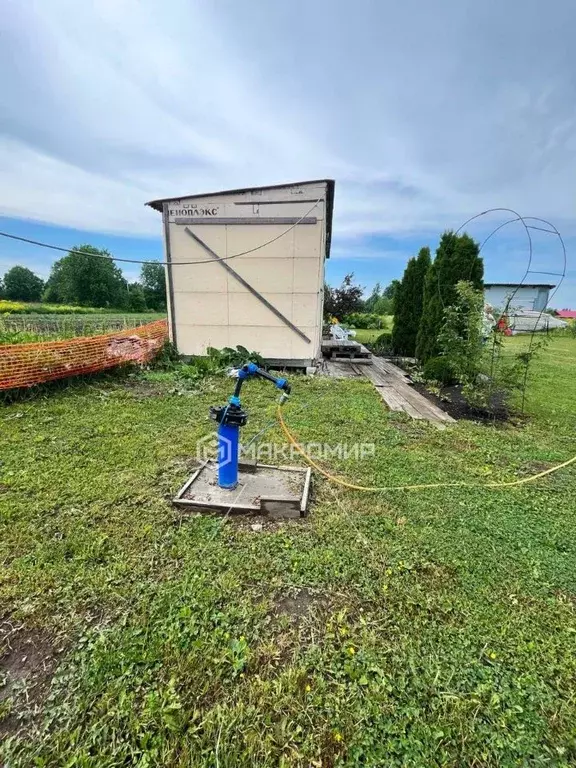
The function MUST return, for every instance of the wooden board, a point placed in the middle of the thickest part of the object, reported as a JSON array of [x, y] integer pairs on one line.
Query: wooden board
[[338, 370], [361, 360], [425, 406], [337, 343], [388, 368], [336, 349], [394, 387]]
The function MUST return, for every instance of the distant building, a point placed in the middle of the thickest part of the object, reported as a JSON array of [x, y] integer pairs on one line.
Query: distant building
[[532, 296], [566, 314]]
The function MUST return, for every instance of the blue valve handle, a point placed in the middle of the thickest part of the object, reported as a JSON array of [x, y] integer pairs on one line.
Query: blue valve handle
[[251, 369]]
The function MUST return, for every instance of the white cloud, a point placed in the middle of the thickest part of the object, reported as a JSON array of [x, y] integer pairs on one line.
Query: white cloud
[[424, 114]]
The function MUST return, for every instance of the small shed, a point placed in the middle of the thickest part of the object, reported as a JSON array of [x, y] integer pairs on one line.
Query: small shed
[[246, 267], [532, 296]]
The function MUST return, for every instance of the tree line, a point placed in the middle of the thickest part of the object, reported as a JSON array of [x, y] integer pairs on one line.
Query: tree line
[[84, 278], [348, 299], [420, 299]]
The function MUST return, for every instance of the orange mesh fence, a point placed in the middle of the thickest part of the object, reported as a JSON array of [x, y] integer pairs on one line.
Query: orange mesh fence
[[23, 365]]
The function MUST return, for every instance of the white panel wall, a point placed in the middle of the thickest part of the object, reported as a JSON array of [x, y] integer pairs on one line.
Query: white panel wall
[[526, 297], [211, 308]]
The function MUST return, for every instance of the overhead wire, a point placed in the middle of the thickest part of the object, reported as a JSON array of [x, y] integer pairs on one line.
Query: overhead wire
[[163, 263]]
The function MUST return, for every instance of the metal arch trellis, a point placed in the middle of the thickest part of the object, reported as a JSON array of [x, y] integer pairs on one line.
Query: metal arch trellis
[[551, 230]]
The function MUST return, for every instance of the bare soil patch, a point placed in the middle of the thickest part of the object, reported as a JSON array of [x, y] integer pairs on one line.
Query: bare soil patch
[[452, 401], [28, 659]]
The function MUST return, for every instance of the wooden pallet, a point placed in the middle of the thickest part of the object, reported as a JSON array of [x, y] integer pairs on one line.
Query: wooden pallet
[[335, 349]]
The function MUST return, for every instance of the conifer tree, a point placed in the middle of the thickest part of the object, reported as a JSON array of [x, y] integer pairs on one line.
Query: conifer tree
[[457, 258], [409, 299]]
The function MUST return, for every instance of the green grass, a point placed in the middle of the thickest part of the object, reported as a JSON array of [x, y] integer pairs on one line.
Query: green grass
[[364, 335], [367, 334], [433, 628], [26, 328]]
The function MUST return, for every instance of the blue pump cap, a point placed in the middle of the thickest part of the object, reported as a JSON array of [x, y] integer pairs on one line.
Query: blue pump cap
[[234, 400]]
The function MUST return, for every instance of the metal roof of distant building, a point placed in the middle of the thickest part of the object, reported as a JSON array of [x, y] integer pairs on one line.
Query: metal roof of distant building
[[570, 314], [518, 285], [330, 184]]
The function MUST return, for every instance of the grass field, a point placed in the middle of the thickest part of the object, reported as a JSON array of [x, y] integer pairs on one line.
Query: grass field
[[26, 328], [364, 335], [8, 307], [432, 628]]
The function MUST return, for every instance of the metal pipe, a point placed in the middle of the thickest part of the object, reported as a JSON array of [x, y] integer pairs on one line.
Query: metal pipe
[[228, 440]]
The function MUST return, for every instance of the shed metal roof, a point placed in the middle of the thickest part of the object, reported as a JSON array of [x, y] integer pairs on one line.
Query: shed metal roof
[[518, 285], [330, 184]]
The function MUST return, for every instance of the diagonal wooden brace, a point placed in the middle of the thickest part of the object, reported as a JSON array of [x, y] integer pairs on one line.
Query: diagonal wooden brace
[[247, 285]]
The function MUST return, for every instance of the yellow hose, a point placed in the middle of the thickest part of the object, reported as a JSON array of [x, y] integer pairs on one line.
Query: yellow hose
[[291, 439]]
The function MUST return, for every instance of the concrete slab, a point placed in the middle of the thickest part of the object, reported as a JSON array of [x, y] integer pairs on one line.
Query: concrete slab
[[276, 492]]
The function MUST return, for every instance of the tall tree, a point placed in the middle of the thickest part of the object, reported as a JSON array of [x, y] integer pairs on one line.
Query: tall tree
[[136, 299], [409, 298], [21, 284], [344, 300], [390, 291], [457, 258], [153, 281], [83, 277], [381, 302], [371, 303]]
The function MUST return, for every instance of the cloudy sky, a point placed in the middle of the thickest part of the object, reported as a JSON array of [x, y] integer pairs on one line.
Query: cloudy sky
[[424, 113]]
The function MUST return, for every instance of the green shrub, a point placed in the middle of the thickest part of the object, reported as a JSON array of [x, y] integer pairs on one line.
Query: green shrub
[[167, 358], [217, 361], [382, 344], [10, 307], [198, 368], [233, 357], [364, 320], [488, 377], [438, 369]]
